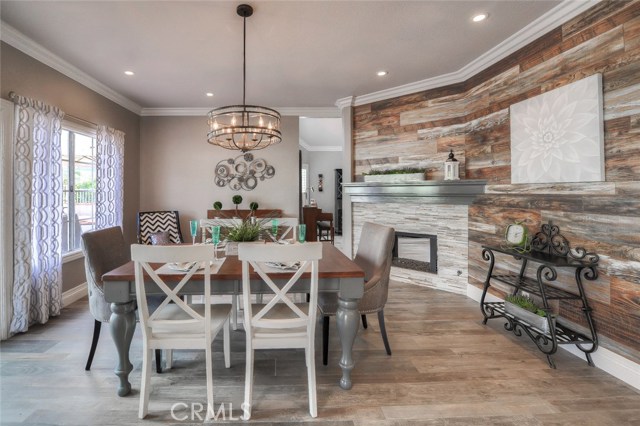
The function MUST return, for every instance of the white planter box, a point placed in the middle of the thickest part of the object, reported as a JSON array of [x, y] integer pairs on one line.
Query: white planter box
[[231, 249], [401, 177], [530, 318]]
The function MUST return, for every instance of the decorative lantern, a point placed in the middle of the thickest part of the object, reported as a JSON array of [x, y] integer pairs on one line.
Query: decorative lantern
[[451, 168]]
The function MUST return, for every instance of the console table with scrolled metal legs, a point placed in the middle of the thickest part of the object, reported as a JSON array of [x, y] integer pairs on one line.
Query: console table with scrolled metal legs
[[550, 252]]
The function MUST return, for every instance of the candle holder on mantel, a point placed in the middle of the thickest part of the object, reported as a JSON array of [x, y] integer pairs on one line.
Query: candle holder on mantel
[[451, 168]]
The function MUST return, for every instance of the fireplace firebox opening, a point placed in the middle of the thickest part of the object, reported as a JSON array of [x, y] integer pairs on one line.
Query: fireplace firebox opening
[[418, 252]]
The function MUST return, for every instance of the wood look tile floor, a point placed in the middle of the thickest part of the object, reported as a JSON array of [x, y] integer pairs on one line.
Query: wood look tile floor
[[446, 369]]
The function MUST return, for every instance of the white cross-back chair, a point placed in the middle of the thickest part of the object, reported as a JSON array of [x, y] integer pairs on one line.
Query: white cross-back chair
[[177, 325], [289, 224], [280, 323]]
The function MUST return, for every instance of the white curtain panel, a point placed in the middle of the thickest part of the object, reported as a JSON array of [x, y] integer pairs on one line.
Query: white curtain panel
[[109, 177], [37, 213], [6, 217]]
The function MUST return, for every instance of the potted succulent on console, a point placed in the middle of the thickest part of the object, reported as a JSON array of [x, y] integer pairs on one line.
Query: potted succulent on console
[[525, 309], [236, 199], [395, 175]]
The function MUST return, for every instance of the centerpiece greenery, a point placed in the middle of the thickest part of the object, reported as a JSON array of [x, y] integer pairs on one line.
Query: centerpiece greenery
[[245, 230]]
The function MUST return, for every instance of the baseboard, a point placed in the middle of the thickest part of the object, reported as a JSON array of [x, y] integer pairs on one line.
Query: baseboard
[[604, 359], [74, 294]]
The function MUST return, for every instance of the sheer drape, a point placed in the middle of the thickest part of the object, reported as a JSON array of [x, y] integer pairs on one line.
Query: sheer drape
[[109, 177], [37, 198]]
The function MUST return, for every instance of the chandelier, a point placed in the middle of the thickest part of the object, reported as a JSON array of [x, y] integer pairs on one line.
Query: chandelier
[[244, 127]]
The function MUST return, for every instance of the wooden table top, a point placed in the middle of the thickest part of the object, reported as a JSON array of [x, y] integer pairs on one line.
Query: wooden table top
[[334, 264]]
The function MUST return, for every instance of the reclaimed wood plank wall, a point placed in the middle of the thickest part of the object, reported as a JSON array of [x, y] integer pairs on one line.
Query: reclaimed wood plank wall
[[472, 118]]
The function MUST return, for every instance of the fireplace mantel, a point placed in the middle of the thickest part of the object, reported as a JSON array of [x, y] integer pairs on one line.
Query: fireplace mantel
[[429, 191]]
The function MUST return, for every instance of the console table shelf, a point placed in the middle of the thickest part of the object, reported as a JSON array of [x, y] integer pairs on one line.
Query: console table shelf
[[550, 252], [531, 286]]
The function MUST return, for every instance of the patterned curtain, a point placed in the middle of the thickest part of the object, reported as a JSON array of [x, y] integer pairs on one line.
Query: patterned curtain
[[37, 197], [109, 177]]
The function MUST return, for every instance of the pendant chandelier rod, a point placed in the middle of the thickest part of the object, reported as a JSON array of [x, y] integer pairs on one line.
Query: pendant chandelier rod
[[244, 59]]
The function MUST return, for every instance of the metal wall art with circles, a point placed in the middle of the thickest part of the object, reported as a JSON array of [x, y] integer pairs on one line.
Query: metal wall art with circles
[[243, 172]]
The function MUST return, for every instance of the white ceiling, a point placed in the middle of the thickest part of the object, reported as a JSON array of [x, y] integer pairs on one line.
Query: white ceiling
[[299, 53], [321, 134]]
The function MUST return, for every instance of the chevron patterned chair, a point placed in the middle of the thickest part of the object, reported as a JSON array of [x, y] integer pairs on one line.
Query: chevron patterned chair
[[150, 223]]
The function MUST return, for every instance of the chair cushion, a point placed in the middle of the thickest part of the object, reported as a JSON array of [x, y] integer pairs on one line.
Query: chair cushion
[[219, 314], [279, 312], [160, 238]]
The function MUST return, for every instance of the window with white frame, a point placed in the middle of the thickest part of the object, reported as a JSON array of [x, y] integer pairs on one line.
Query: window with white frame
[[78, 184]]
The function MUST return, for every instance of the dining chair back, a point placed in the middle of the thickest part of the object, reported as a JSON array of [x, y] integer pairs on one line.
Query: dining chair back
[[152, 222], [175, 324], [374, 256], [103, 251], [286, 227], [279, 323]]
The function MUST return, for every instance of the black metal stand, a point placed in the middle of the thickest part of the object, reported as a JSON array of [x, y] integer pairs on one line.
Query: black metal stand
[[551, 251]]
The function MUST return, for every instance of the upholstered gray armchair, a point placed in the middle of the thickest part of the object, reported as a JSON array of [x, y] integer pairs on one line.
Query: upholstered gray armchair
[[103, 250], [374, 257]]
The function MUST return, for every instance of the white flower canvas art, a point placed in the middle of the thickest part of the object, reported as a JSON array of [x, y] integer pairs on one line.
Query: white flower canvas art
[[558, 136]]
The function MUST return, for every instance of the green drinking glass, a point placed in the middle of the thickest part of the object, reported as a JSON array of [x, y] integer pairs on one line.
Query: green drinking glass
[[274, 228], [193, 224], [302, 233], [215, 239]]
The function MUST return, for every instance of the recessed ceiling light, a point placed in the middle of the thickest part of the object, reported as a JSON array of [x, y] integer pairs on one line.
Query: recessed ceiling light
[[480, 17], [129, 72], [382, 73], [209, 94]]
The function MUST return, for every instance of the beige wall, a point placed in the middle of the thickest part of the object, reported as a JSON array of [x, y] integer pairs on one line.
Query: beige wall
[[26, 76], [177, 168]]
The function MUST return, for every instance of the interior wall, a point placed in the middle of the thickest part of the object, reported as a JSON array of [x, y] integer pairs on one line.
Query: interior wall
[[472, 118], [26, 76], [325, 163], [177, 170]]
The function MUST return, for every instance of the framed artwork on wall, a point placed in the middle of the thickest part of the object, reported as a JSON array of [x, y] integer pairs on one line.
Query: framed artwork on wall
[[558, 136]]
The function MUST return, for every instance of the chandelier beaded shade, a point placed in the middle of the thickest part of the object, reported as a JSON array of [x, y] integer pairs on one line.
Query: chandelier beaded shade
[[244, 127]]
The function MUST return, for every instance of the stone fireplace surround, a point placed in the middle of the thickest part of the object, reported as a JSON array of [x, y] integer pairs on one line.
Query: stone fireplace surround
[[431, 207]]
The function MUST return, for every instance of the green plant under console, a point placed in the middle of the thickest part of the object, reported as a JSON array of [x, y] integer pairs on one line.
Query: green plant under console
[[550, 252]]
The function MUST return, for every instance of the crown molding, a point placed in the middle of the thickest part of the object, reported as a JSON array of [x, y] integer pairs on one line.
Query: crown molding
[[15, 38], [560, 14], [343, 103], [311, 112], [312, 148], [177, 112], [319, 112]]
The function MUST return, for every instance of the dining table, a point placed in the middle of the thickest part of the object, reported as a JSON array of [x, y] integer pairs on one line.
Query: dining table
[[336, 273]]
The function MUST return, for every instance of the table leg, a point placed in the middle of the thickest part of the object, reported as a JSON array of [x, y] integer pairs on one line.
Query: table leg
[[347, 321], [123, 324]]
